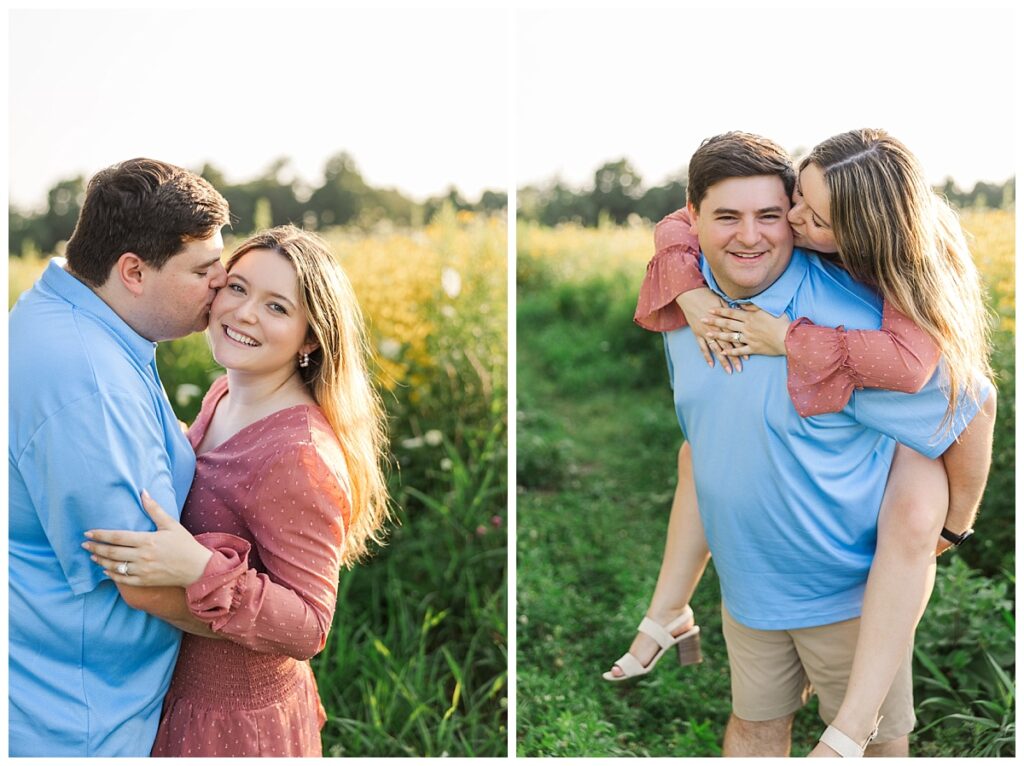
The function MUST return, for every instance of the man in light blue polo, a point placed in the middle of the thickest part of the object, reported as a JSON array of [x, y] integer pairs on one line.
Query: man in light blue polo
[[90, 427], [789, 504]]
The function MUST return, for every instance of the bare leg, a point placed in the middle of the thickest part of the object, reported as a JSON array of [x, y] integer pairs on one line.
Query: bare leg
[[757, 738], [897, 748], [686, 555], [899, 585], [967, 462]]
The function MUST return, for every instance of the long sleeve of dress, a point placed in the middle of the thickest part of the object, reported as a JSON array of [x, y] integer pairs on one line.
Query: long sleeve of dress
[[826, 364], [674, 270], [297, 521]]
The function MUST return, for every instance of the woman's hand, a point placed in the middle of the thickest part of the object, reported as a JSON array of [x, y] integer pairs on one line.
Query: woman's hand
[[750, 329], [169, 556], [696, 304]]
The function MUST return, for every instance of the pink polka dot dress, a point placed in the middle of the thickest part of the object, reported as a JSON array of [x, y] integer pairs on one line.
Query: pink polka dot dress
[[272, 503], [825, 364]]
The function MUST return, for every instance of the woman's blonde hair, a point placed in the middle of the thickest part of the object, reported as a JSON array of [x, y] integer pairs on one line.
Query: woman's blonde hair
[[337, 376], [894, 233]]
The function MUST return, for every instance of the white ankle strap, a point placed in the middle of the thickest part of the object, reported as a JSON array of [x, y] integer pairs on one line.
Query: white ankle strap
[[657, 632], [845, 745], [663, 633]]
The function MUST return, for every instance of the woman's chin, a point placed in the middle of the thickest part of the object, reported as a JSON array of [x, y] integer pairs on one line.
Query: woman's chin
[[217, 352], [225, 358]]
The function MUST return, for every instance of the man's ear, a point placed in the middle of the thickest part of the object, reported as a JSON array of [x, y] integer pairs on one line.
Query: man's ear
[[130, 270], [692, 211]]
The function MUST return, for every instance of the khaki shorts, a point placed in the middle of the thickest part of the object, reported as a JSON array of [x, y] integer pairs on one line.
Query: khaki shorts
[[774, 672]]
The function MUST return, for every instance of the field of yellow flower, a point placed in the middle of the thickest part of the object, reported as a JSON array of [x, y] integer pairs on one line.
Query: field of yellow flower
[[570, 253], [991, 239]]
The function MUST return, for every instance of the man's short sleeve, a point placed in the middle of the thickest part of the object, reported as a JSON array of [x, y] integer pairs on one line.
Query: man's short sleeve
[[85, 468], [916, 419]]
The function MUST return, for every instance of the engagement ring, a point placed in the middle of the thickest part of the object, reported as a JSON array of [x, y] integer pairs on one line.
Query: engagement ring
[[738, 337], [122, 568]]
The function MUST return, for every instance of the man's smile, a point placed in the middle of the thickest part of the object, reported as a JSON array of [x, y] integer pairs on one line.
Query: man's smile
[[747, 255]]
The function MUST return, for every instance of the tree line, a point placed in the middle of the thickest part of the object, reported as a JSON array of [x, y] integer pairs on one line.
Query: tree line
[[276, 197], [618, 192]]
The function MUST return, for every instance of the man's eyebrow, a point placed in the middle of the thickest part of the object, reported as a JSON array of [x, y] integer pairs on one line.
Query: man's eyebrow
[[208, 263], [762, 211], [285, 298]]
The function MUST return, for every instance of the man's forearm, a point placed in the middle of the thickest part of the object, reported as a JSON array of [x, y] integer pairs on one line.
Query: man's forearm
[[168, 604], [967, 463]]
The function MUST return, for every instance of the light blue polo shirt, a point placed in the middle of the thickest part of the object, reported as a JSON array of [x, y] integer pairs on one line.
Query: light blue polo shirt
[[90, 426], [790, 504]]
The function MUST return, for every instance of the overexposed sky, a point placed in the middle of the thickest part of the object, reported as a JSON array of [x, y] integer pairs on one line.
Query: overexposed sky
[[418, 97], [651, 84]]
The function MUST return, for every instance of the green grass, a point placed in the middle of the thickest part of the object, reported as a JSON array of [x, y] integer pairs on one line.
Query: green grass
[[591, 529], [417, 662], [596, 472]]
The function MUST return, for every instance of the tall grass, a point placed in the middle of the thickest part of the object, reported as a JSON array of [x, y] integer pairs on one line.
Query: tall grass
[[417, 665]]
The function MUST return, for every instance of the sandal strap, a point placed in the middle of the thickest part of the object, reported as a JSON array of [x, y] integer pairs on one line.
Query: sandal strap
[[844, 744], [685, 616], [841, 743], [663, 633], [657, 632], [630, 665]]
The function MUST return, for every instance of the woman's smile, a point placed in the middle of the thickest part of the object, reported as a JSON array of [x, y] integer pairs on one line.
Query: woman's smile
[[240, 338]]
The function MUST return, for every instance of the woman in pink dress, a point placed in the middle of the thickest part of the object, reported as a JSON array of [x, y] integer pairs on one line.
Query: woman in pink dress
[[288, 489]]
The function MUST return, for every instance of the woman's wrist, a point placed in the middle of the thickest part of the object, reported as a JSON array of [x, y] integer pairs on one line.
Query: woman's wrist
[[781, 340], [687, 301], [198, 563]]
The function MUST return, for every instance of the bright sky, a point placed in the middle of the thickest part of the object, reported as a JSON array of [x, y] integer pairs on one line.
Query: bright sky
[[651, 84], [418, 97]]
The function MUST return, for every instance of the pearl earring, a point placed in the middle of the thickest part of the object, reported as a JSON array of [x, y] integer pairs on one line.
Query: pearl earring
[[303, 360]]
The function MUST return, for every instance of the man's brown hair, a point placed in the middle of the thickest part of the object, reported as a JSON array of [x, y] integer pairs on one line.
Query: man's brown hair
[[736, 155], [141, 206]]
